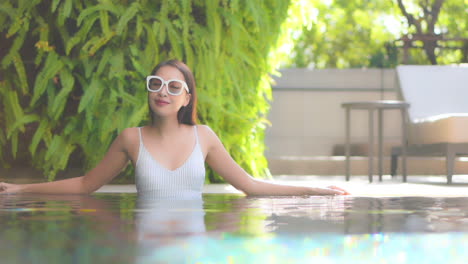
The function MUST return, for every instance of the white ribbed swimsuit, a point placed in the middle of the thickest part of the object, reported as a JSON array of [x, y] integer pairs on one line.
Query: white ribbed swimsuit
[[185, 182]]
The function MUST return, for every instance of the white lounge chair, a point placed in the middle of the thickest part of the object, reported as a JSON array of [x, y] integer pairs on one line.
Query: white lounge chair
[[438, 116]]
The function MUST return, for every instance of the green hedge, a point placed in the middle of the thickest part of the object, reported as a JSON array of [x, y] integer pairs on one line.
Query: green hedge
[[72, 74]]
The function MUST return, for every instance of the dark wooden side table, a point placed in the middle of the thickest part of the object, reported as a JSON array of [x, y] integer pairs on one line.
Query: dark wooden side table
[[371, 107]]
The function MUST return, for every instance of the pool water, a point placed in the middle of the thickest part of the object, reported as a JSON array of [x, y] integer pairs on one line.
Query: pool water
[[229, 228]]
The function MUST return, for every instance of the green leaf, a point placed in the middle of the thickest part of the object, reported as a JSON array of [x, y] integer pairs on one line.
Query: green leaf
[[151, 48], [89, 67], [139, 27], [14, 144], [104, 19], [94, 11], [19, 21], [55, 3], [82, 34], [138, 66], [72, 126], [126, 97], [91, 94], [71, 43], [3, 139], [14, 50], [138, 115], [117, 64], [64, 12], [161, 19], [55, 147], [38, 136], [175, 40], [126, 17], [215, 25], [67, 83], [9, 12], [20, 70], [65, 156], [52, 66], [19, 124], [14, 110], [104, 61], [89, 118], [100, 42], [87, 12]]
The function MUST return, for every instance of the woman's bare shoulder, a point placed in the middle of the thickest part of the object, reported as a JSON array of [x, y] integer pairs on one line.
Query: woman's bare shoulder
[[205, 131], [208, 136], [130, 132], [129, 136]]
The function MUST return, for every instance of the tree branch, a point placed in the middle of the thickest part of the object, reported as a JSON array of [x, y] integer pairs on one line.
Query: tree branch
[[409, 17], [434, 15]]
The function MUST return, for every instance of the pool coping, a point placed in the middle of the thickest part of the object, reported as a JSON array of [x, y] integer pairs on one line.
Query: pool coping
[[432, 186]]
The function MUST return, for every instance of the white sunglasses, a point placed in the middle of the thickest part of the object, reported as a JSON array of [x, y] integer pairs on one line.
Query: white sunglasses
[[155, 84]]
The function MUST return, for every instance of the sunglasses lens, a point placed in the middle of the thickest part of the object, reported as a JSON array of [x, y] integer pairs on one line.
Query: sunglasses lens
[[175, 87], [154, 84]]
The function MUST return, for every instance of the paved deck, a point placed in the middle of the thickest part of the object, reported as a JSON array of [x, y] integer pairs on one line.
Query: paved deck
[[357, 186]]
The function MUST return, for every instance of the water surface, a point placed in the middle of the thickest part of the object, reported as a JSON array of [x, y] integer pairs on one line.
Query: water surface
[[125, 228]]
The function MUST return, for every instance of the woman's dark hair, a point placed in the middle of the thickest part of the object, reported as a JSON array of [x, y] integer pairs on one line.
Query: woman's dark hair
[[187, 114]]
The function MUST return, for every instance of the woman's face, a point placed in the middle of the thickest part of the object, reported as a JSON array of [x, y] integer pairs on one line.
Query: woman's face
[[164, 104]]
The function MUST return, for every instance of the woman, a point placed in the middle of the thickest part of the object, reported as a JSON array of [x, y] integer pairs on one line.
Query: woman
[[169, 154]]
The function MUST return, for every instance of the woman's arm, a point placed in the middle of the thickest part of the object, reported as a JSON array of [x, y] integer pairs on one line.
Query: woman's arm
[[113, 162], [222, 163]]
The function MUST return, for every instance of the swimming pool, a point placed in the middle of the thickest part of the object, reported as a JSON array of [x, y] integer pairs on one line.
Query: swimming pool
[[229, 228]]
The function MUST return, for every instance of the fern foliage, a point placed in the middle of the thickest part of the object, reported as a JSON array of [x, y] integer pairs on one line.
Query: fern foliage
[[72, 73]]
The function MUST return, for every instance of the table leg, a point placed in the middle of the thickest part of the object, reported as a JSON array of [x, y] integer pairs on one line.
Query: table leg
[[380, 117], [404, 135], [347, 143], [371, 143]]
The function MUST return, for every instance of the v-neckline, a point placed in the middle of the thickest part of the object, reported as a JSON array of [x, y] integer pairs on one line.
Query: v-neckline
[[159, 163]]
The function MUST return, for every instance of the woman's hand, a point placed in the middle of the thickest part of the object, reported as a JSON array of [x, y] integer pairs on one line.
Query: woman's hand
[[342, 191], [330, 190], [10, 188]]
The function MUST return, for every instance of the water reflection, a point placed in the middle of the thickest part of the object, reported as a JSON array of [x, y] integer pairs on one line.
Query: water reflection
[[126, 228], [161, 223], [62, 229], [266, 215], [407, 214], [157, 217], [365, 215]]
